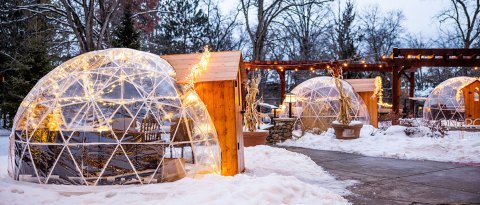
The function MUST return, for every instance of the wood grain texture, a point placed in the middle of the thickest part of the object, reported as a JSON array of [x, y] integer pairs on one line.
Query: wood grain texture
[[371, 103], [220, 100], [222, 65], [472, 107]]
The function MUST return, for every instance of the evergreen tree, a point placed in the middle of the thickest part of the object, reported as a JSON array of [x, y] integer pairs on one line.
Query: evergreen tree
[[24, 55], [345, 33], [184, 27], [127, 36]]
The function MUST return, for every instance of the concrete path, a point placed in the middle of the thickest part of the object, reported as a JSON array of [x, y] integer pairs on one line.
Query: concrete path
[[395, 181]]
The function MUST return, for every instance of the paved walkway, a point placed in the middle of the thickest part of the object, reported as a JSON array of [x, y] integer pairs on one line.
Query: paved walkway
[[395, 181]]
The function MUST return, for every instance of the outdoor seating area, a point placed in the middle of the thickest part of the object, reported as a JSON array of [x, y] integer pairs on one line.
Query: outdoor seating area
[[112, 117], [240, 102]]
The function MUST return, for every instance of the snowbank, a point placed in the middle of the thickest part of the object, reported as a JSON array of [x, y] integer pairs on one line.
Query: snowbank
[[274, 176], [4, 132], [394, 143]]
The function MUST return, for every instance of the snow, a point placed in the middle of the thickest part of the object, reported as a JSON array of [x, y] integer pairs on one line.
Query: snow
[[456, 146], [350, 124], [424, 93], [273, 176], [4, 132]]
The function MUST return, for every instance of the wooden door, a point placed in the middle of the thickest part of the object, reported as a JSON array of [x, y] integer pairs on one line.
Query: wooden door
[[239, 116]]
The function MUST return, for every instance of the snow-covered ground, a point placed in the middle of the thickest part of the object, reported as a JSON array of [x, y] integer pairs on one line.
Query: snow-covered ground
[[273, 176], [4, 132], [457, 146]]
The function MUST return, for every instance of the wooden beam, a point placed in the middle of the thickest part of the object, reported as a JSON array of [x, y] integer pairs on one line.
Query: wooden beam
[[282, 84], [396, 93], [411, 94]]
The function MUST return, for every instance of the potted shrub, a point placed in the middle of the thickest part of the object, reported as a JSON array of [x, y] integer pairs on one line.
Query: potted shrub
[[344, 127], [251, 135]]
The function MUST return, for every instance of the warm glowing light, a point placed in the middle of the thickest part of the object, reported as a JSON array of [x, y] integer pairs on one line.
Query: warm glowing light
[[379, 92], [168, 116], [345, 64], [103, 128], [199, 68], [296, 69], [192, 98]]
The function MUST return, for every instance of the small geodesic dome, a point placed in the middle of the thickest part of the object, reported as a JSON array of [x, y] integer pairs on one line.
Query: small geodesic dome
[[317, 104], [445, 103], [114, 116]]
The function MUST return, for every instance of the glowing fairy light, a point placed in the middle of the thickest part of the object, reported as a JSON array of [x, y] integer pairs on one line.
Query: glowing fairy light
[[379, 92], [199, 68]]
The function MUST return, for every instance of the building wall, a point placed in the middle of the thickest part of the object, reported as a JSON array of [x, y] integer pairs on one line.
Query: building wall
[[371, 106], [220, 98]]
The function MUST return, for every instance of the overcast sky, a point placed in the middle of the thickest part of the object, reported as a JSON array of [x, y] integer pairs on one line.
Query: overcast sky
[[419, 14]]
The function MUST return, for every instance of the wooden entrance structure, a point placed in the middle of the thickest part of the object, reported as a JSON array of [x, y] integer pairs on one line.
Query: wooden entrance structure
[[402, 62], [471, 96], [220, 88]]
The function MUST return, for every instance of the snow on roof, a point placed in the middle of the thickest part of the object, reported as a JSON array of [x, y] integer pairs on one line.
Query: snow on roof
[[362, 85], [268, 105], [222, 65]]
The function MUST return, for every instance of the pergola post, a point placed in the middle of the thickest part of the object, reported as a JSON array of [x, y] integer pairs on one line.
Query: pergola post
[[396, 92], [411, 94], [282, 84]]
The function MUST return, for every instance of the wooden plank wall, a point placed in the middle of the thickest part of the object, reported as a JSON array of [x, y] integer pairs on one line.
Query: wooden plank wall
[[371, 106], [219, 97], [472, 107]]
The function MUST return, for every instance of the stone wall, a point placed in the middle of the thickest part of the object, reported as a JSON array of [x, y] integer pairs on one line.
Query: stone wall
[[281, 131]]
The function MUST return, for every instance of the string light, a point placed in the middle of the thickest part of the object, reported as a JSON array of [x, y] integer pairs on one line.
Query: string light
[[199, 68], [379, 92]]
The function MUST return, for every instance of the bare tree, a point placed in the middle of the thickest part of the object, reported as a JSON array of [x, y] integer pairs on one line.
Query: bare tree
[[266, 13], [463, 16], [89, 22], [299, 32], [380, 31]]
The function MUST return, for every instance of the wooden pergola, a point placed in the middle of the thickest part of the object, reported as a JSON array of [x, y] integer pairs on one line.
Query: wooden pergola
[[402, 62]]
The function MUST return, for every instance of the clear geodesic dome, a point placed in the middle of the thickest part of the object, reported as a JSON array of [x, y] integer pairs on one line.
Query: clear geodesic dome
[[114, 116], [445, 103], [317, 104]]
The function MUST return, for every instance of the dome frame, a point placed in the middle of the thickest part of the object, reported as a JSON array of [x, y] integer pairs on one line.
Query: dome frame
[[317, 104], [445, 103], [114, 116]]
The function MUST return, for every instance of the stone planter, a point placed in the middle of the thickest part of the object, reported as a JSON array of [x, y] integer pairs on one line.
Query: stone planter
[[347, 132], [251, 139]]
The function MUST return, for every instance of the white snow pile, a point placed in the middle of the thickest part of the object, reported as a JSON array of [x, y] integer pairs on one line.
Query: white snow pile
[[456, 146], [4, 132], [273, 176]]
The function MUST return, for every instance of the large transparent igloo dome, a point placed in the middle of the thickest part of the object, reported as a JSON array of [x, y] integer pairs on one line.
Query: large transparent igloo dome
[[317, 104], [114, 116], [445, 103]]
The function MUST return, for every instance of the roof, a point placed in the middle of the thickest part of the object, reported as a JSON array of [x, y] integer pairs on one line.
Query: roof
[[362, 85], [221, 66], [468, 84]]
